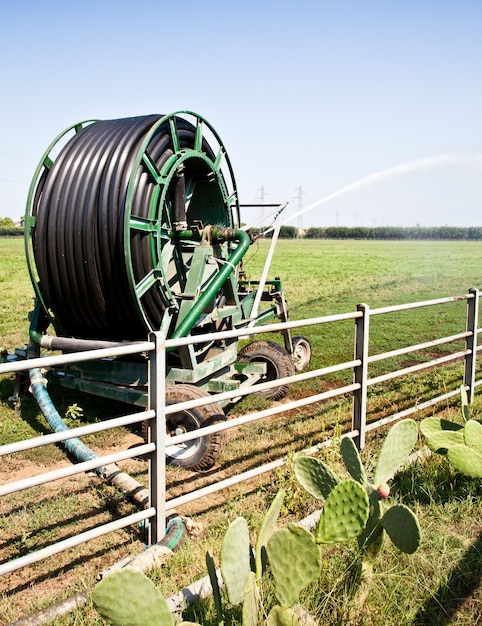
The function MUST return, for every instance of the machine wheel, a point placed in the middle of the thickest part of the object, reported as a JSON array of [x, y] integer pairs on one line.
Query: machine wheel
[[301, 353], [278, 362], [198, 454]]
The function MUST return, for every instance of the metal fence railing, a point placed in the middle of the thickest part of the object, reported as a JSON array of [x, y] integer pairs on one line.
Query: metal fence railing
[[159, 503]]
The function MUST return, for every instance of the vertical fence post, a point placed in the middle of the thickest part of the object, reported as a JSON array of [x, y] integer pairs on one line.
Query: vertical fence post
[[157, 434], [362, 329], [470, 361]]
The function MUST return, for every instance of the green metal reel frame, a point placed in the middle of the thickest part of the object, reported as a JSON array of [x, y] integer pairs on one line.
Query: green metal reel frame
[[159, 226]]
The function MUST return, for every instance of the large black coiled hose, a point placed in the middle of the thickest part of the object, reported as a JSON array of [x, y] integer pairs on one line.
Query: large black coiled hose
[[84, 251]]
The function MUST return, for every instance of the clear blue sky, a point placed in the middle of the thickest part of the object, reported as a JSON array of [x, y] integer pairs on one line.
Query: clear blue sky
[[306, 93]]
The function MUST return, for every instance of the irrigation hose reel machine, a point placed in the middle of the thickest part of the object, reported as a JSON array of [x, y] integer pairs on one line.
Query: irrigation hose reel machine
[[133, 226]]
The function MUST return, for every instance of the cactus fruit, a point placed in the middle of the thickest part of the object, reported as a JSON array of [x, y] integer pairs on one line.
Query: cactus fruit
[[268, 527], [402, 527], [315, 477], [398, 444], [383, 491], [345, 513], [126, 597], [282, 616], [235, 559], [353, 461], [295, 561]]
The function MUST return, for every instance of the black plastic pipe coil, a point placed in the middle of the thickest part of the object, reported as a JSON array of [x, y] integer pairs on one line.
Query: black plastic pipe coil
[[79, 235]]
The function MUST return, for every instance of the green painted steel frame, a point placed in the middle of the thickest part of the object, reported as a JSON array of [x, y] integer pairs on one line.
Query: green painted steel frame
[[160, 235]]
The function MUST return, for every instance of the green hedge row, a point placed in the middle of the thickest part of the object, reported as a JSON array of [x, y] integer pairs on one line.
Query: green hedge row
[[395, 232], [11, 232]]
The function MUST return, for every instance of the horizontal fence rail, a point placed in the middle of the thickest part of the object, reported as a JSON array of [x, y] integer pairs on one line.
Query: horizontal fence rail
[[159, 503]]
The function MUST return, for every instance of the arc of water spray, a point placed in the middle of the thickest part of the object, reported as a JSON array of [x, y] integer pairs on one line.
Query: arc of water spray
[[403, 168]]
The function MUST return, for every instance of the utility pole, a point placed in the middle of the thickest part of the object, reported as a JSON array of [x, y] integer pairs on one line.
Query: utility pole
[[300, 195], [261, 197]]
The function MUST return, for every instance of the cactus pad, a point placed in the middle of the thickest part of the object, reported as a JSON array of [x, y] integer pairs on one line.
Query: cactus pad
[[352, 460], [235, 559], [315, 477], [398, 444], [442, 441], [282, 616], [126, 597], [211, 567], [345, 513], [371, 538], [473, 435], [464, 400], [402, 527], [466, 460], [432, 425], [267, 529], [295, 561], [251, 602]]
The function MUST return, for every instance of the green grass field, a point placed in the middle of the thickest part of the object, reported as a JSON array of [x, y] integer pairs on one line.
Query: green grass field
[[440, 584]]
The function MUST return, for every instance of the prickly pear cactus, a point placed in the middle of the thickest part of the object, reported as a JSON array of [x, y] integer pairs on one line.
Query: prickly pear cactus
[[235, 559], [314, 476], [268, 527], [339, 521], [461, 443], [295, 561], [128, 598], [398, 444], [345, 513], [353, 461]]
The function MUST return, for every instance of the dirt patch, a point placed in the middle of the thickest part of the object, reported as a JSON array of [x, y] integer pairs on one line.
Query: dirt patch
[[36, 517], [17, 468]]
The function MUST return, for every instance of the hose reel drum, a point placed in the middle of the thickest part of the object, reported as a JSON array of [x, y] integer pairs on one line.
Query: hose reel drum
[[109, 251], [133, 226]]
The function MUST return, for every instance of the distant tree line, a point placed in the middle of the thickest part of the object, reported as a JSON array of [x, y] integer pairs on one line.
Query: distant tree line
[[286, 232], [378, 232], [8, 228], [395, 232], [470, 233]]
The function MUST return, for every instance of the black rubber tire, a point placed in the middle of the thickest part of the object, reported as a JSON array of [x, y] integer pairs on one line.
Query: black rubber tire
[[301, 353], [198, 454], [278, 362]]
